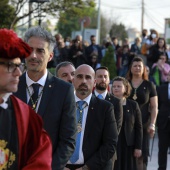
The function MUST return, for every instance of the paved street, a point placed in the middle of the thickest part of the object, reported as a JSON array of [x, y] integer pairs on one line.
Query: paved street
[[153, 164]]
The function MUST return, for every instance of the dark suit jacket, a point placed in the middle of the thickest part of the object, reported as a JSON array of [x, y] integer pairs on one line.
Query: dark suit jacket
[[133, 124], [118, 110], [100, 136], [57, 108], [163, 105]]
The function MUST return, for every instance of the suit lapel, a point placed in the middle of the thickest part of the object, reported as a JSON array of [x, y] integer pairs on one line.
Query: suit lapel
[[47, 92], [108, 98], [22, 86], [90, 117]]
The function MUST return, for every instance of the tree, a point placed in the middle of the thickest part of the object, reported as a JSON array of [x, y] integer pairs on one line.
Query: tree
[[6, 14], [50, 8], [118, 30], [69, 22], [109, 62]]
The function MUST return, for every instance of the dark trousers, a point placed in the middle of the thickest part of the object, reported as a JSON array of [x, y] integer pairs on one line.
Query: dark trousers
[[163, 144]]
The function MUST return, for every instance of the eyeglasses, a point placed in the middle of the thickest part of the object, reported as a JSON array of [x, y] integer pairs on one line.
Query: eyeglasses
[[12, 66]]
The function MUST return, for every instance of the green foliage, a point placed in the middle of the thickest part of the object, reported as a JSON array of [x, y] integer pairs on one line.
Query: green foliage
[[118, 30], [70, 21], [108, 61], [6, 14]]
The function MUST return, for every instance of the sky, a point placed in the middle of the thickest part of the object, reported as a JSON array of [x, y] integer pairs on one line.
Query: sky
[[128, 12]]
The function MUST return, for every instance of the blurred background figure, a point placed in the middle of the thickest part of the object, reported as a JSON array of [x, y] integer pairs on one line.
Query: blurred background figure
[[160, 70]]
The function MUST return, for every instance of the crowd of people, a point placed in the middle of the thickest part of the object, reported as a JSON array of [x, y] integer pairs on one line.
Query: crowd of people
[[79, 119]]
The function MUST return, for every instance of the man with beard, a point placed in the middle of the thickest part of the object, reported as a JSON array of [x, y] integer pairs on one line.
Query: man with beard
[[102, 84], [65, 71], [96, 126], [49, 96]]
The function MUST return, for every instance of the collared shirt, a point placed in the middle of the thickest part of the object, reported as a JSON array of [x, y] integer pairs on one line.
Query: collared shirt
[[103, 94], [4, 105], [85, 111], [29, 82]]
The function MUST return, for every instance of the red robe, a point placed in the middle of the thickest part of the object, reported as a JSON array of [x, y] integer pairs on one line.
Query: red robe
[[35, 149]]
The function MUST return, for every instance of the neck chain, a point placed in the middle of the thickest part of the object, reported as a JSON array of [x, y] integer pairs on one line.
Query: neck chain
[[135, 91], [34, 104], [79, 123]]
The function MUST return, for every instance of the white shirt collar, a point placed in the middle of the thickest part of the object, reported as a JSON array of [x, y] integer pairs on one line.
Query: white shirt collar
[[103, 94], [87, 99], [168, 85], [41, 81], [4, 105]]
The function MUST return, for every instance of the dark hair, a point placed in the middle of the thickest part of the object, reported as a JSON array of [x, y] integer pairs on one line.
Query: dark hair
[[125, 83], [129, 74], [102, 68], [157, 43], [63, 64]]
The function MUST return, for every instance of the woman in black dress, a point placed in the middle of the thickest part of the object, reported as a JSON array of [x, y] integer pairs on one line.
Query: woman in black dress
[[130, 138], [144, 93]]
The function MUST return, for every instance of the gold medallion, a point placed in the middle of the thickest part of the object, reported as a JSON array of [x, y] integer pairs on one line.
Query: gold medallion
[[135, 96], [79, 128], [33, 106]]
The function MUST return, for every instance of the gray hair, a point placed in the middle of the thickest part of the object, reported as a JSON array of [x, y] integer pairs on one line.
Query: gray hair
[[41, 33], [63, 64]]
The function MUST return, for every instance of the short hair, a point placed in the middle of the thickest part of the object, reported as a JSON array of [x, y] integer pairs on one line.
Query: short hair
[[101, 68], [129, 74], [125, 83], [41, 33], [63, 64]]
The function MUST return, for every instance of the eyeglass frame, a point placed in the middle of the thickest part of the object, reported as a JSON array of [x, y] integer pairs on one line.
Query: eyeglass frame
[[12, 66]]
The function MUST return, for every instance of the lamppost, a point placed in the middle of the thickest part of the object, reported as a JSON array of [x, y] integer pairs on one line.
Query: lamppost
[[39, 2]]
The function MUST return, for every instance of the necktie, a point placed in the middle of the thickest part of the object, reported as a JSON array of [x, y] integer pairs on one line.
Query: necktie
[[33, 99], [80, 107], [100, 96]]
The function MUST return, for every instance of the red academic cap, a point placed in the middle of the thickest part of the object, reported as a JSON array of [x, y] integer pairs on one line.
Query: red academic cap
[[11, 46]]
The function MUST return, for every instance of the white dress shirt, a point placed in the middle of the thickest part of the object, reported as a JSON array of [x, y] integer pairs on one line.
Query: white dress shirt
[[103, 94], [85, 111], [4, 105], [29, 83]]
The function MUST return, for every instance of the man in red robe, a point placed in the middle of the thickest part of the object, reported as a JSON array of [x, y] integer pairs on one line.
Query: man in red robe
[[23, 142]]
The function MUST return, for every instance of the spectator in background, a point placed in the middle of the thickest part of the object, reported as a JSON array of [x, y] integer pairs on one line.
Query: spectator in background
[[125, 60], [58, 38], [135, 49], [152, 39], [156, 50], [144, 36], [93, 53], [162, 68], [65, 71], [77, 56], [150, 77]]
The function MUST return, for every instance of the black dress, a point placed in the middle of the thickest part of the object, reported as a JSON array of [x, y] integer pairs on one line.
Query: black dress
[[144, 92]]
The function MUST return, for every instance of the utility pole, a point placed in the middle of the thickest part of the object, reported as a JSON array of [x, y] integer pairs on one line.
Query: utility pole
[[98, 22], [142, 16]]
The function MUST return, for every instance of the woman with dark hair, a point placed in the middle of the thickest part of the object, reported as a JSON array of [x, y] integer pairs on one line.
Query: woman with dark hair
[[156, 50], [144, 93], [130, 138]]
